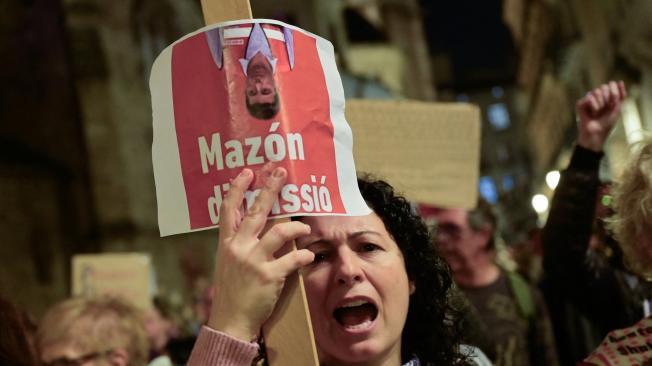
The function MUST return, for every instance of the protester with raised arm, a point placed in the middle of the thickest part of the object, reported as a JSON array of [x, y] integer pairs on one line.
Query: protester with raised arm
[[632, 226], [598, 288]]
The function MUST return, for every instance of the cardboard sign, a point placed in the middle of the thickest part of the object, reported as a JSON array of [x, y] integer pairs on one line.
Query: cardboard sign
[[125, 275], [428, 151], [249, 94]]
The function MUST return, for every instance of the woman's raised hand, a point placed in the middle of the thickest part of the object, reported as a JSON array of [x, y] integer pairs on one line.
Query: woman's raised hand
[[598, 113], [248, 278]]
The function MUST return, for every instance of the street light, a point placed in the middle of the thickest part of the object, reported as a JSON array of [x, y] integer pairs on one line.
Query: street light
[[540, 203], [552, 179]]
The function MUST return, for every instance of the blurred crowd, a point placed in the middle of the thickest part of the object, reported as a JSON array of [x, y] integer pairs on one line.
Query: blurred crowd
[[577, 291]]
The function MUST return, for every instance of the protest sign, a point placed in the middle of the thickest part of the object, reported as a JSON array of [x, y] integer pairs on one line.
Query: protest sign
[[126, 275], [253, 60], [428, 151], [256, 94]]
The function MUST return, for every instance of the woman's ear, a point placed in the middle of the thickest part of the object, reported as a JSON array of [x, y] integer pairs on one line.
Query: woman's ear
[[413, 288], [119, 357]]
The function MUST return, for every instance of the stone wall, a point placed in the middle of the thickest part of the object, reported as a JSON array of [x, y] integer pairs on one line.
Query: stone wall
[[75, 142]]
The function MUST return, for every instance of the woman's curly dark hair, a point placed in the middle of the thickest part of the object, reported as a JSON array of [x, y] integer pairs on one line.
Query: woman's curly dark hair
[[432, 331]]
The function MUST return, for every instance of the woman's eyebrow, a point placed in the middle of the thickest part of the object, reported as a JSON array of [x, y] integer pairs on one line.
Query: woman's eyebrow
[[324, 241], [364, 232], [315, 242]]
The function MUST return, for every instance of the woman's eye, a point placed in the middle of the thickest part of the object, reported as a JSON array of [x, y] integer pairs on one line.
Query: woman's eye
[[368, 247], [320, 257]]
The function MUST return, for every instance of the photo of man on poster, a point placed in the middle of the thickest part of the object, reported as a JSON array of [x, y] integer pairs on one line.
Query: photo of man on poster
[[258, 65], [233, 96]]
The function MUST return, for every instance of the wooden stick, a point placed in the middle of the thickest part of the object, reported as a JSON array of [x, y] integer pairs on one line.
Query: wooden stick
[[288, 332], [216, 11]]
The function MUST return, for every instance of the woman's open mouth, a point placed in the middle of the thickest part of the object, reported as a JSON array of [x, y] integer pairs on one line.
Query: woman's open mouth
[[356, 315]]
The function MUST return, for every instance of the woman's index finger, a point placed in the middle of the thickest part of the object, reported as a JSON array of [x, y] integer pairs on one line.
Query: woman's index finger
[[230, 216], [257, 214]]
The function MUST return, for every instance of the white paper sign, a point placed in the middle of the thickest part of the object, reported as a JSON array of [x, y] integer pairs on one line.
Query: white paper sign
[[255, 94]]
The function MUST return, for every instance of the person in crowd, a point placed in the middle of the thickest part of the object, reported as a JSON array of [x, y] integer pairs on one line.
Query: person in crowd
[[161, 328], [378, 292], [509, 309], [92, 331], [527, 252], [632, 219], [16, 336], [632, 227], [577, 278]]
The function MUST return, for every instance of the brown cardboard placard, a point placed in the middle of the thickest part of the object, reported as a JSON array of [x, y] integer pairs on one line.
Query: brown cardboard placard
[[428, 151], [127, 275], [289, 339]]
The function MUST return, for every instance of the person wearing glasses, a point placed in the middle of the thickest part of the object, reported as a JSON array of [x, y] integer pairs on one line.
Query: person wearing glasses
[[510, 311]]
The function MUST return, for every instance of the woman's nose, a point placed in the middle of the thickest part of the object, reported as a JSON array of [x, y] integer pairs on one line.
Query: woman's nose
[[348, 269]]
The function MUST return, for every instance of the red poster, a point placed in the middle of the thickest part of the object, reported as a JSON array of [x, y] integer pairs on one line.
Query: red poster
[[256, 94]]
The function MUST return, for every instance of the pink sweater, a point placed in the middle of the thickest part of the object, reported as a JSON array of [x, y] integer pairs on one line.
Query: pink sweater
[[215, 348]]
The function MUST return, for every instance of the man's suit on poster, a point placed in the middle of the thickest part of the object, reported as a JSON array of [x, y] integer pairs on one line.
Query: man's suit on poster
[[257, 41]]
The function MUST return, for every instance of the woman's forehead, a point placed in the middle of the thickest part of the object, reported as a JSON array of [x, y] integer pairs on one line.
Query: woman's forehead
[[325, 225], [344, 228]]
